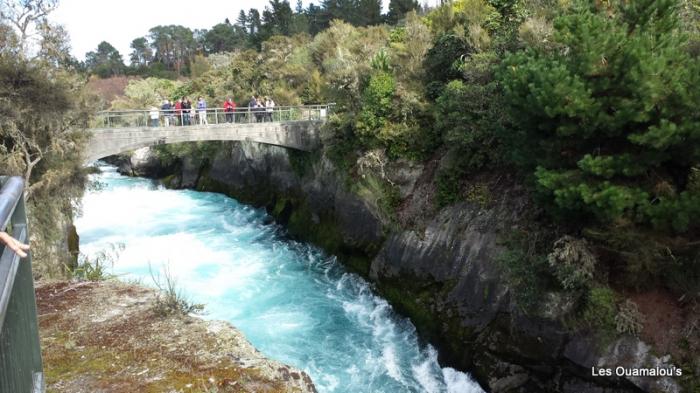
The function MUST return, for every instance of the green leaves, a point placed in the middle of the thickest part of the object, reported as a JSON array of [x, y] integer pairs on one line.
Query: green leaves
[[376, 104], [607, 115]]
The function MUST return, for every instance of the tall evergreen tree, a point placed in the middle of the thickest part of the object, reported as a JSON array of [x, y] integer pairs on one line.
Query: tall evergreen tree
[[610, 126], [224, 38], [330, 9], [345, 10], [315, 18], [174, 46], [141, 53], [105, 61], [369, 12], [242, 21], [399, 8], [254, 22], [277, 19], [300, 20]]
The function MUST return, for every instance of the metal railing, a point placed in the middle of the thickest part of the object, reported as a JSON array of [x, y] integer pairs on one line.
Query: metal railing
[[194, 117], [20, 350]]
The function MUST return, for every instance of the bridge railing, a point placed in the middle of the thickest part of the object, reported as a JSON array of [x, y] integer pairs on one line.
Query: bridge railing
[[192, 117], [20, 351]]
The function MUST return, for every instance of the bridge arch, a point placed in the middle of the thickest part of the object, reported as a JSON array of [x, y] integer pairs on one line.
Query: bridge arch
[[300, 135]]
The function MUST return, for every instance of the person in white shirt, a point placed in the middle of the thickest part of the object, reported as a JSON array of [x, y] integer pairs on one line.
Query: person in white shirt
[[269, 107], [154, 114], [202, 108]]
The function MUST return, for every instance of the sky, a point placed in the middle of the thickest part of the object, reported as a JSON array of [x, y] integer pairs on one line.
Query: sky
[[90, 22]]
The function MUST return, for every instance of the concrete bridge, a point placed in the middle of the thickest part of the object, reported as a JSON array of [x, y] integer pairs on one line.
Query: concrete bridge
[[291, 127]]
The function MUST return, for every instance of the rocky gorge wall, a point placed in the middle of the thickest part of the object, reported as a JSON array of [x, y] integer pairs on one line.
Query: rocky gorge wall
[[440, 270]]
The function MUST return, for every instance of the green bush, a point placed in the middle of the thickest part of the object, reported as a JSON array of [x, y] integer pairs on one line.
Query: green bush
[[448, 186], [468, 116], [682, 276], [525, 264], [608, 126], [601, 308], [96, 268], [377, 100], [441, 63]]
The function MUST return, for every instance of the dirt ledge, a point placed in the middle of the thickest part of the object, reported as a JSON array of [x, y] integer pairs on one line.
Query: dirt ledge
[[104, 337]]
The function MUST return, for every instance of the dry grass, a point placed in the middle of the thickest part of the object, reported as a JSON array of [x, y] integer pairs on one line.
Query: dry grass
[[105, 337]]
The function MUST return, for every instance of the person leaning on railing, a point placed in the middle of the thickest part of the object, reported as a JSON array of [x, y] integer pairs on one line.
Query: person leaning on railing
[[229, 108], [269, 108], [167, 112], [14, 244], [154, 115], [178, 112], [186, 111]]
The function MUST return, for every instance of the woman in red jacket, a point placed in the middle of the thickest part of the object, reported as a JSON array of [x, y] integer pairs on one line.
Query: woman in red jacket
[[229, 108], [178, 110]]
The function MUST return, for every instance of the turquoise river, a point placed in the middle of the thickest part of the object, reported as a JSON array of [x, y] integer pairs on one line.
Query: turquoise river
[[292, 301]]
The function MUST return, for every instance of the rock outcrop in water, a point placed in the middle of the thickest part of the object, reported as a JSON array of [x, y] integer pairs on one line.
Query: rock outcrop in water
[[439, 270]]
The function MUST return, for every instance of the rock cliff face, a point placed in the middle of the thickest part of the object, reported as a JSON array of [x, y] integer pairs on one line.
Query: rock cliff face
[[442, 273]]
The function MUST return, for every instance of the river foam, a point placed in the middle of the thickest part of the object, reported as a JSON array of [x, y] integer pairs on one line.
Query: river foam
[[293, 302]]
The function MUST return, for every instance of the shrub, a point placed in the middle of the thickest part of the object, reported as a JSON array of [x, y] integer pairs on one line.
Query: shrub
[[377, 100], [526, 269], [573, 262], [682, 276], [441, 62], [628, 319], [96, 268], [478, 193], [170, 300], [469, 117], [601, 308], [448, 184]]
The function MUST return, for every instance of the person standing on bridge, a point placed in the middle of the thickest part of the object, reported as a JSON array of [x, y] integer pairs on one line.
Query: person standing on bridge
[[252, 105], [167, 112], [178, 111], [202, 108], [186, 107], [229, 109], [269, 108], [260, 110], [154, 116]]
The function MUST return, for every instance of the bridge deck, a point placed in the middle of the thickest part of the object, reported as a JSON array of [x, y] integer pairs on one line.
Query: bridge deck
[[294, 127]]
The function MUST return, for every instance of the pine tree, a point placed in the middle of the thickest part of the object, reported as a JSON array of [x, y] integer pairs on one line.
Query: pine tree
[[242, 20], [369, 12], [315, 18], [141, 53], [254, 22], [608, 116], [399, 8], [105, 61]]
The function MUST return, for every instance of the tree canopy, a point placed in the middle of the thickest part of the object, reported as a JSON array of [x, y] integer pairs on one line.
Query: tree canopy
[[609, 124], [105, 61]]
